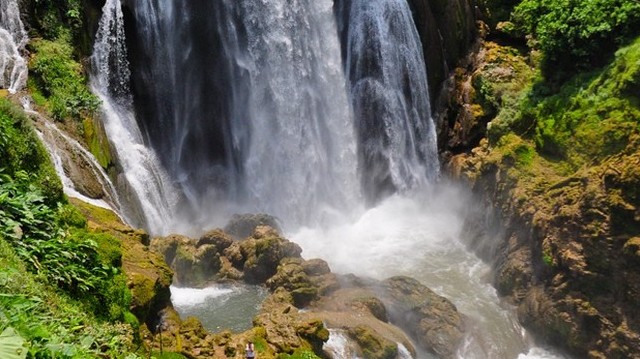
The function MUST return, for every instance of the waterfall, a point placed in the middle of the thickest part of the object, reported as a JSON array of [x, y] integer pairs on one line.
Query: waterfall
[[150, 193], [246, 103], [388, 86], [13, 39]]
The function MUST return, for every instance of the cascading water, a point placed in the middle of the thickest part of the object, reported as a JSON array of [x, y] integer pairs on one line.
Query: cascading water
[[13, 38], [151, 197], [253, 107], [245, 103], [388, 85], [64, 150]]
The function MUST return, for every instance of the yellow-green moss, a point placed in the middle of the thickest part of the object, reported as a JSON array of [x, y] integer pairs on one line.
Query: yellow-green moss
[[97, 141]]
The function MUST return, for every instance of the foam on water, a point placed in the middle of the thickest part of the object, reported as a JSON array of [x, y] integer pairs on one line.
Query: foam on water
[[188, 297]]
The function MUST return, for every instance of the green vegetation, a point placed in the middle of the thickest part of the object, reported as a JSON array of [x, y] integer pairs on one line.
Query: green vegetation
[[577, 34], [53, 324], [54, 18], [61, 287], [299, 354], [594, 115], [20, 150], [57, 80]]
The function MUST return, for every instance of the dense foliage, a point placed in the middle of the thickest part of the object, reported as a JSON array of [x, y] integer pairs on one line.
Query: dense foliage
[[578, 34], [54, 325], [58, 81], [20, 150], [590, 117], [47, 254], [53, 18]]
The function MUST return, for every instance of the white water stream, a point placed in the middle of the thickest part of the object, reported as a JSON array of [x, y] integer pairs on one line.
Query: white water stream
[[13, 39], [146, 183]]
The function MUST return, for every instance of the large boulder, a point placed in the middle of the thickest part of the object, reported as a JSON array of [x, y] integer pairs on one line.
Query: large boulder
[[195, 263], [432, 319], [262, 253], [243, 225]]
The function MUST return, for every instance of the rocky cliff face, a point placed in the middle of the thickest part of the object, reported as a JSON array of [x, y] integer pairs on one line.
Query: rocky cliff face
[[565, 247]]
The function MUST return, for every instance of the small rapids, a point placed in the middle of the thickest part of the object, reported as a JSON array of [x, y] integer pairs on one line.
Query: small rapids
[[420, 236]]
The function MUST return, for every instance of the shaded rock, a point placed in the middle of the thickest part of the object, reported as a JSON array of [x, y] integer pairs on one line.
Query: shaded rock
[[194, 265], [316, 267], [243, 225], [263, 252], [216, 237], [433, 320]]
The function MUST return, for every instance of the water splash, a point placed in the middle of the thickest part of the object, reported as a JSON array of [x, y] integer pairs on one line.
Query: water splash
[[339, 345], [389, 90], [418, 235], [151, 199], [13, 39]]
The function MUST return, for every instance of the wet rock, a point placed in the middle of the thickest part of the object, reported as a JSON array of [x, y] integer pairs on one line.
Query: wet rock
[[194, 265], [433, 320], [373, 345], [243, 225]]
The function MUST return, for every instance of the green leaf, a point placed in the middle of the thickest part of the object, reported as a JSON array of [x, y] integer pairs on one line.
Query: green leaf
[[12, 345]]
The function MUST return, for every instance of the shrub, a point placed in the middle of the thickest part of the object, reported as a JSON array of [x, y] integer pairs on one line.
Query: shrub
[[21, 150], [575, 35], [53, 18], [60, 80]]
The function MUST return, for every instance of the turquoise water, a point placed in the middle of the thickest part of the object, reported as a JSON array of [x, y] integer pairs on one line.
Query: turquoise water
[[220, 307]]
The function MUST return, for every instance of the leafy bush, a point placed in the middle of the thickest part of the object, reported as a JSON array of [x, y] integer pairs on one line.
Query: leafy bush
[[28, 223], [54, 18], [575, 35], [60, 79], [54, 325], [20, 149]]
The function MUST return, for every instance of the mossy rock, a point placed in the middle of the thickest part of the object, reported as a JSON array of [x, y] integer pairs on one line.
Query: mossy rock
[[263, 253], [149, 277], [292, 277], [373, 346], [97, 141]]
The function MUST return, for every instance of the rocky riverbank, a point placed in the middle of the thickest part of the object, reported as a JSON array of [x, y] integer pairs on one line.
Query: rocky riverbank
[[306, 300], [568, 224]]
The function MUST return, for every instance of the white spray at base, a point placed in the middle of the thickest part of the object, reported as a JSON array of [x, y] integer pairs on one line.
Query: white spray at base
[[419, 235], [13, 39], [146, 182]]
